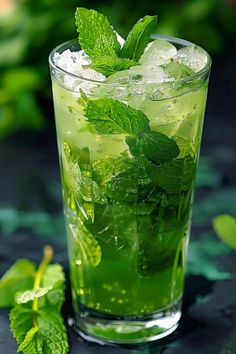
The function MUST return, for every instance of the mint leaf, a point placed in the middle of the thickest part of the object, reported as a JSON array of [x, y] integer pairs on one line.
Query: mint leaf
[[139, 37], [108, 65], [21, 321], [19, 277], [38, 326], [30, 295], [121, 178], [175, 176], [156, 250], [54, 277], [53, 332], [225, 227], [77, 181], [109, 116], [96, 35], [33, 343], [88, 250], [155, 146]]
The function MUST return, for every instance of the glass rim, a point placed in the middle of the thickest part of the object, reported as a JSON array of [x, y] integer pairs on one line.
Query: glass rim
[[174, 40]]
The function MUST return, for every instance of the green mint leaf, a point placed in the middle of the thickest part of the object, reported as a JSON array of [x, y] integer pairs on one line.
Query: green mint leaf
[[156, 250], [108, 65], [175, 176], [33, 343], [80, 181], [88, 249], [155, 146], [139, 37], [54, 277], [30, 295], [225, 227], [126, 179], [38, 327], [21, 321], [96, 35], [109, 116], [18, 278], [53, 332]]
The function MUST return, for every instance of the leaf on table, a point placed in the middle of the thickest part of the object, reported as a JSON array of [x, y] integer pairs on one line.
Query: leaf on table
[[139, 37], [53, 332], [225, 227], [33, 342], [109, 116], [19, 277], [21, 321], [155, 146], [54, 277]]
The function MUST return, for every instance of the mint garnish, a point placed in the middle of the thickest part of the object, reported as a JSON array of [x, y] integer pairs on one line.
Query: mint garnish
[[99, 41], [139, 37], [109, 65], [109, 116], [96, 35], [35, 319], [155, 146]]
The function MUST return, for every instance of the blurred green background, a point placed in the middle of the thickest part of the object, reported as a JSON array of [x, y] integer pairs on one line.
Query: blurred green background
[[30, 29]]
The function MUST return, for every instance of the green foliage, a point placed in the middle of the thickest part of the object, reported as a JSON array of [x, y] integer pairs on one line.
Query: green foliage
[[109, 65], [155, 146], [39, 222], [36, 321], [202, 258], [109, 116], [225, 227], [139, 37], [19, 277], [96, 35]]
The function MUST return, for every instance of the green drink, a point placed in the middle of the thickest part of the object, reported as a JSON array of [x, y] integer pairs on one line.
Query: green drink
[[128, 145]]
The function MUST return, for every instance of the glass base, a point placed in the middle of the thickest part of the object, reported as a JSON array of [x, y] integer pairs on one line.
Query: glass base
[[97, 327]]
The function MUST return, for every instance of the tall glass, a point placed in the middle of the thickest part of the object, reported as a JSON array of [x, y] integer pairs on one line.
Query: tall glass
[[127, 219]]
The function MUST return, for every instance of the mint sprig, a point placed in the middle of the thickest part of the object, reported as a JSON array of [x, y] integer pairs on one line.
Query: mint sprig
[[109, 116], [109, 65], [98, 39], [96, 35], [35, 319], [139, 37], [155, 146]]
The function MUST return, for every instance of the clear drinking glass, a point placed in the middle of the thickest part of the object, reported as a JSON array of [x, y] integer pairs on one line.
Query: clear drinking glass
[[127, 220]]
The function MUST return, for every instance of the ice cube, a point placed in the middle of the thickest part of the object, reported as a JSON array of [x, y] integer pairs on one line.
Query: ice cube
[[140, 74], [158, 52], [193, 56], [177, 70]]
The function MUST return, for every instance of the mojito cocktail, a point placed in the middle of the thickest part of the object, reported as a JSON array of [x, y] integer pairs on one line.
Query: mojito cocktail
[[129, 132]]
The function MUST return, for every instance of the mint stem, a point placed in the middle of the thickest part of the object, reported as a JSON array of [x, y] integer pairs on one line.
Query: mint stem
[[47, 257]]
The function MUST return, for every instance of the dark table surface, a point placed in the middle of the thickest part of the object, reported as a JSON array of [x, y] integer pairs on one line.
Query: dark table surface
[[30, 217]]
